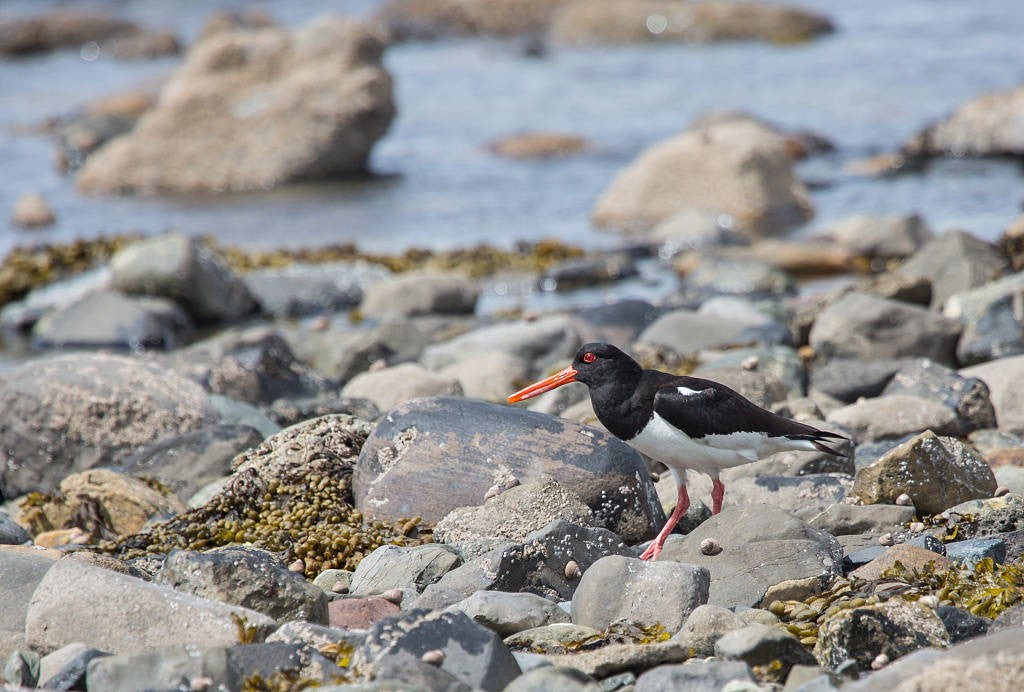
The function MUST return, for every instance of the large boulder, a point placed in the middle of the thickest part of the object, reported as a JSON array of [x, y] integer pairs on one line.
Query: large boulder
[[184, 270], [1002, 377], [859, 325], [252, 109], [77, 411], [986, 125], [428, 456], [627, 21], [420, 294], [738, 168]]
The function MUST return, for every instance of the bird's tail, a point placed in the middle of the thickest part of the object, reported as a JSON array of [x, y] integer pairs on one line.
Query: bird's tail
[[822, 439]]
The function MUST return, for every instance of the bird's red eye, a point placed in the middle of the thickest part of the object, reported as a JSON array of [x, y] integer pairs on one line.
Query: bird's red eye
[[589, 357]]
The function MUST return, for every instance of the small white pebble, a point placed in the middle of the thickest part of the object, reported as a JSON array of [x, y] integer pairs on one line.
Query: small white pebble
[[709, 546], [886, 539], [1000, 491], [750, 363], [378, 364], [298, 566], [200, 683], [904, 500], [339, 587], [493, 491], [393, 595], [929, 601], [881, 661], [916, 526], [319, 324], [572, 570], [434, 657]]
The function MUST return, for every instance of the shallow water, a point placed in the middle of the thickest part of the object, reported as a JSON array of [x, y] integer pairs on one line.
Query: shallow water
[[888, 70]]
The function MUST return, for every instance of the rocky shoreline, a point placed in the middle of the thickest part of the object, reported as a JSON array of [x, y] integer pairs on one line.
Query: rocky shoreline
[[229, 469], [258, 475]]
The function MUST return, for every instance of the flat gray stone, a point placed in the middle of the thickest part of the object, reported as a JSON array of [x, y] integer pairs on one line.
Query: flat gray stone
[[844, 520], [695, 676], [508, 613], [21, 570], [76, 601], [650, 593], [705, 625], [399, 567]]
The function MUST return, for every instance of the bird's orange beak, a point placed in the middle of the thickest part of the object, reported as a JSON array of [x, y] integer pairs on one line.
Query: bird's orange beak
[[546, 385]]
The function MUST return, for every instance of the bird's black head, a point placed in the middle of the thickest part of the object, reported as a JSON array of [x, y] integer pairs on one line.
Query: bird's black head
[[596, 362]]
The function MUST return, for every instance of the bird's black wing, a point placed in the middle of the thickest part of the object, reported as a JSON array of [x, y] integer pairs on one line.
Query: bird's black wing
[[701, 407]]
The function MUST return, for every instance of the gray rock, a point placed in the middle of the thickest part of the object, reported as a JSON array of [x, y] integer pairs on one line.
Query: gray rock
[[790, 494], [187, 461], [984, 125], [490, 375], [184, 270], [21, 668], [894, 416], [10, 532], [22, 314], [710, 273], [1009, 477], [341, 355], [287, 412], [972, 551], [472, 653], [962, 624], [508, 613], [879, 237], [562, 678], [650, 593], [77, 411], [393, 385], [779, 361], [863, 326], [299, 290], [695, 676], [617, 658], [254, 366], [843, 519], [406, 673], [398, 567], [996, 333], [76, 601], [761, 546], [318, 637], [937, 473], [537, 565], [79, 138], [429, 456], [414, 294], [512, 515], [67, 671], [1011, 618], [1001, 376], [330, 578], [618, 322], [687, 333], [894, 628], [316, 100], [545, 343], [954, 262], [237, 412], [246, 577], [556, 638], [849, 379], [21, 570], [169, 666], [759, 645], [112, 320], [968, 397], [705, 625]]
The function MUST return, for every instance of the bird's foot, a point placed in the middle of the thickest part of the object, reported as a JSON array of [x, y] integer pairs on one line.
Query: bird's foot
[[652, 552]]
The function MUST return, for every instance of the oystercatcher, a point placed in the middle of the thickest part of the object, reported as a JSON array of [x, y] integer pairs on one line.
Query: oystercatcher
[[683, 422]]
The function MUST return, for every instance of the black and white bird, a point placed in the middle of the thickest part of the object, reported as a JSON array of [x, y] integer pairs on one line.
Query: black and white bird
[[683, 422]]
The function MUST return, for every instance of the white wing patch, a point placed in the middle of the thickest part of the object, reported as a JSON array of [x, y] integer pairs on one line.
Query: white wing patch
[[686, 391]]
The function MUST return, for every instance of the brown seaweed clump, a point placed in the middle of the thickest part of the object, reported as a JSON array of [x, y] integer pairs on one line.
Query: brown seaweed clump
[[291, 495]]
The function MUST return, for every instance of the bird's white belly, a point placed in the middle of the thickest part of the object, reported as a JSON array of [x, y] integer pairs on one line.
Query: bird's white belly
[[710, 454]]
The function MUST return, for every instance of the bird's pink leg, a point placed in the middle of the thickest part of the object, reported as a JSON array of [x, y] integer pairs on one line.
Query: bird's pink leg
[[717, 493], [682, 504]]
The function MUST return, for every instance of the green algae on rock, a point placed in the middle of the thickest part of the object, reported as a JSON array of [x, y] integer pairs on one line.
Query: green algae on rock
[[292, 496]]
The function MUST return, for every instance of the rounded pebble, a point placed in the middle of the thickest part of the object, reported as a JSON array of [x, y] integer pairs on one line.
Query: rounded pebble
[[493, 491], [393, 595], [929, 600], [572, 570], [904, 500], [709, 546], [1000, 491], [339, 587], [750, 363], [434, 657], [916, 526], [298, 566], [880, 661], [886, 539]]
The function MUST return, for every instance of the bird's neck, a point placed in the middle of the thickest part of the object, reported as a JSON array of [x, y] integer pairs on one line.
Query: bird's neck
[[617, 407]]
